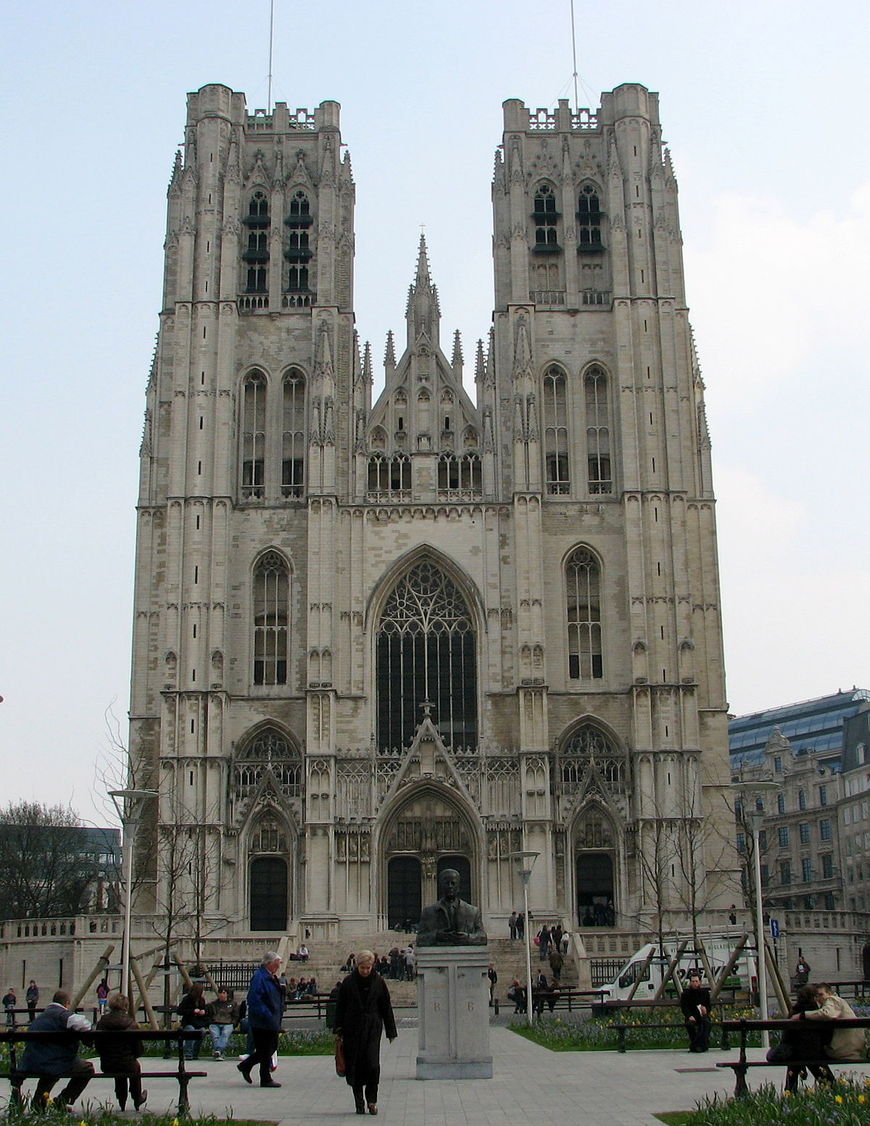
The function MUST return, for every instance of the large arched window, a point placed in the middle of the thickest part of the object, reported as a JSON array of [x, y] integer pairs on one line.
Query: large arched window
[[545, 218], [583, 591], [271, 619], [600, 475], [253, 459], [256, 252], [589, 217], [426, 659], [293, 436], [557, 473]]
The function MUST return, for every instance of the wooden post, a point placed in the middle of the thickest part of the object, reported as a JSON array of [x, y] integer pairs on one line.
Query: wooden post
[[99, 969], [143, 990]]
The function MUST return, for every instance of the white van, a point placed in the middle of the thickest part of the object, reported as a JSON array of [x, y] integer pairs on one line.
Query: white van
[[648, 967]]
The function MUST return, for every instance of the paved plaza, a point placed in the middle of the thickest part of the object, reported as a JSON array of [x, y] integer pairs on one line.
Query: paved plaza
[[529, 1084]]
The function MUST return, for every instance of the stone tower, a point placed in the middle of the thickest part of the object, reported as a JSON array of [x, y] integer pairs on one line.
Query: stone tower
[[375, 640]]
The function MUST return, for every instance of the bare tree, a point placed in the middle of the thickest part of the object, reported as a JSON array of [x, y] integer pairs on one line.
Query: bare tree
[[656, 856], [49, 862]]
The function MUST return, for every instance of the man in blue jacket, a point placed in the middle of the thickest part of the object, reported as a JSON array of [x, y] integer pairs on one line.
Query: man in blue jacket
[[265, 1010], [50, 1059]]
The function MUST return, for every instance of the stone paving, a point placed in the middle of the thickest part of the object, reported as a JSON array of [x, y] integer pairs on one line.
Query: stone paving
[[530, 1083]]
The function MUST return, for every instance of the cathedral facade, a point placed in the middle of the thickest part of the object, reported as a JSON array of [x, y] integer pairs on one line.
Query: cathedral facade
[[376, 639]]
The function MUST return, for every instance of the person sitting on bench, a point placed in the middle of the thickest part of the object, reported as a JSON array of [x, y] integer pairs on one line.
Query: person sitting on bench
[[803, 1042], [695, 1006], [120, 1054], [51, 1059], [846, 1043]]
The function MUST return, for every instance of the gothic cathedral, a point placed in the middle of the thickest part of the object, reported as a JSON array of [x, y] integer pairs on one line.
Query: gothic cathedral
[[373, 640]]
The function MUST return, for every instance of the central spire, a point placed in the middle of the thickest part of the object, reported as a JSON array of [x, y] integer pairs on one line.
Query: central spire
[[423, 313]]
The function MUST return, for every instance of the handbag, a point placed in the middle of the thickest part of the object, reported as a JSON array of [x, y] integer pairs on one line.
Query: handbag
[[340, 1065]]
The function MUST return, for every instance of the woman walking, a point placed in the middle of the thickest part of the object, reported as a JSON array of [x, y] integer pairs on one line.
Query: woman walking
[[363, 1010]]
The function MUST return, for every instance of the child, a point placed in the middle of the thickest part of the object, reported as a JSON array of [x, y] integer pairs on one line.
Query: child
[[119, 1055]]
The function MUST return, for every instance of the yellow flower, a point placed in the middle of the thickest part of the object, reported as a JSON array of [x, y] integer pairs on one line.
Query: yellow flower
[[786, 1094], [862, 1098], [838, 1098]]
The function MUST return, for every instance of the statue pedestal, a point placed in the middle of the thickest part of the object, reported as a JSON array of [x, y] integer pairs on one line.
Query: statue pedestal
[[453, 1003]]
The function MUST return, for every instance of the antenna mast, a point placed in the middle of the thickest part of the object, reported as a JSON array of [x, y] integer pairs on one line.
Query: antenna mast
[[574, 49], [271, 42]]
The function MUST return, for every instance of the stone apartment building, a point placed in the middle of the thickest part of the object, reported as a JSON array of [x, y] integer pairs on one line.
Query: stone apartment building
[[376, 638], [815, 844]]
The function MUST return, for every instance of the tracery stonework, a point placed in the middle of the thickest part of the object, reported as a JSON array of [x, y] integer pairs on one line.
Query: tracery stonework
[[384, 636]]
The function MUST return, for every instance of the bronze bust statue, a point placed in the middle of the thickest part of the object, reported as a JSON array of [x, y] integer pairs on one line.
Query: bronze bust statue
[[451, 921]]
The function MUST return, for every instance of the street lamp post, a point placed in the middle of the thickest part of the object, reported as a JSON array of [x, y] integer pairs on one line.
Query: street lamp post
[[124, 800], [755, 817], [525, 862]]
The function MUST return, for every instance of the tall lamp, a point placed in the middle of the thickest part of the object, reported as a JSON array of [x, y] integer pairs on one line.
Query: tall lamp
[[755, 817], [525, 862], [128, 805]]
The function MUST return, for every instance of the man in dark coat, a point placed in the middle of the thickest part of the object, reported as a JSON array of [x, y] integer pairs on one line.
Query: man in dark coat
[[50, 1059], [451, 921], [265, 1011], [695, 1006], [362, 1012]]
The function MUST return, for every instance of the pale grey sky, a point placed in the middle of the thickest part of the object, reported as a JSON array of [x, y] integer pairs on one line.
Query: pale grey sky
[[764, 108]]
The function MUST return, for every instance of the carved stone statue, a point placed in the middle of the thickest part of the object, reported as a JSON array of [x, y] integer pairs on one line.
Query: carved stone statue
[[451, 921]]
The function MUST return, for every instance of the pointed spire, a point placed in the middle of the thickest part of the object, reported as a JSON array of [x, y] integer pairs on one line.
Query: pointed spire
[[175, 178], [367, 364], [422, 279], [457, 349], [479, 364], [422, 312], [390, 353]]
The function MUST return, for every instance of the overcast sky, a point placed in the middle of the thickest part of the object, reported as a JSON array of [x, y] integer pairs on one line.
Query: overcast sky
[[764, 107]]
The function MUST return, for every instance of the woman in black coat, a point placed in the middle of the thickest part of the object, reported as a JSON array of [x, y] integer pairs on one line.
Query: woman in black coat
[[120, 1056], [362, 1012]]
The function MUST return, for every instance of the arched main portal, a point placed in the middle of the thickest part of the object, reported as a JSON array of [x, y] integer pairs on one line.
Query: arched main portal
[[269, 894], [595, 871], [427, 835]]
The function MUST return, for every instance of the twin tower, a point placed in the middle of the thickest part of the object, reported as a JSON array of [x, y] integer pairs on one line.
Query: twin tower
[[375, 640]]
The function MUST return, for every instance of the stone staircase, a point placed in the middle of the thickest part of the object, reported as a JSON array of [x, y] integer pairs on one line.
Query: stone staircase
[[327, 957]]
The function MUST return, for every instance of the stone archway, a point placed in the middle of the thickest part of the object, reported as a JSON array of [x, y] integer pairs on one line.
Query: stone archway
[[595, 869], [428, 833]]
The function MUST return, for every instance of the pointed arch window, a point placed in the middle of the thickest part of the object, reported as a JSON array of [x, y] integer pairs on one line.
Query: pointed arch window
[[253, 459], [256, 252], [426, 662], [600, 477], [545, 218], [459, 474], [583, 591], [389, 475], [293, 435], [588, 747], [271, 619], [557, 477], [589, 220]]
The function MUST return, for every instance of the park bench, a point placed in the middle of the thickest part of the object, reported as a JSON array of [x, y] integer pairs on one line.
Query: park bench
[[313, 1005], [622, 1028], [744, 1027], [566, 998], [181, 1074]]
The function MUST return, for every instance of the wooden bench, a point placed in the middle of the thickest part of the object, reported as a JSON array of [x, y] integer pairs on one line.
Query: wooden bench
[[181, 1075], [742, 1065], [568, 998], [312, 1005]]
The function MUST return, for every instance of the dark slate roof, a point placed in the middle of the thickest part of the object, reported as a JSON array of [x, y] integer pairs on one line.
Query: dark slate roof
[[810, 726]]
